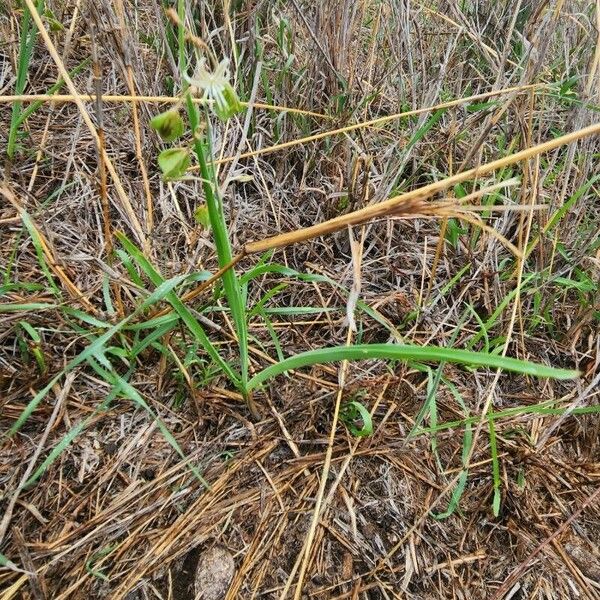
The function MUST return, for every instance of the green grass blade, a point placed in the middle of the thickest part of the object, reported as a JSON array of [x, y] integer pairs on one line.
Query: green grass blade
[[466, 451], [543, 408], [562, 211], [186, 316], [6, 563], [162, 326], [495, 468], [26, 307], [277, 269], [483, 332], [259, 306], [457, 493], [409, 352], [39, 250], [422, 131], [33, 403], [26, 43], [273, 334]]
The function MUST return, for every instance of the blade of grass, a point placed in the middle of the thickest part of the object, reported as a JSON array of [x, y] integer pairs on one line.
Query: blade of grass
[[495, 468], [26, 307], [433, 383], [317, 278], [273, 334], [35, 346], [422, 131], [409, 352], [26, 43], [186, 316], [458, 490], [483, 332], [509, 413], [73, 433]]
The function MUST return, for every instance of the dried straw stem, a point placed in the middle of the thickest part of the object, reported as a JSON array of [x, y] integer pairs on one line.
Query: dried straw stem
[[125, 202], [413, 200]]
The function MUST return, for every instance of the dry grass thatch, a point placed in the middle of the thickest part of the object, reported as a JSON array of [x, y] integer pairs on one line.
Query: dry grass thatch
[[422, 173]]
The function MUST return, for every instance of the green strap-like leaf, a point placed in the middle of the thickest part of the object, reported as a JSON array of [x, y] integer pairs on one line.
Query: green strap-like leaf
[[409, 352]]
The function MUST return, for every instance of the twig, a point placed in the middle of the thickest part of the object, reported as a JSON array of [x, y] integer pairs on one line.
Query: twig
[[388, 207], [118, 98]]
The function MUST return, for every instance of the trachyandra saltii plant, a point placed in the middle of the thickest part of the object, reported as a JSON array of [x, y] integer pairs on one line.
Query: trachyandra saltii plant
[[222, 101]]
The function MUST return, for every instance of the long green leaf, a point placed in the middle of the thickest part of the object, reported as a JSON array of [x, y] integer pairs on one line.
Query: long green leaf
[[278, 269], [495, 468], [562, 211], [543, 408], [466, 453], [409, 352], [186, 316], [26, 307]]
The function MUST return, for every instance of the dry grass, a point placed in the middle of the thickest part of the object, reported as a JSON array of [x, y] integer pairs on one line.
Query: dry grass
[[366, 117]]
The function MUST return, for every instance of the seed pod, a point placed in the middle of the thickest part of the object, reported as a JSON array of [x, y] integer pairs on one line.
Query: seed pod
[[174, 162], [168, 125]]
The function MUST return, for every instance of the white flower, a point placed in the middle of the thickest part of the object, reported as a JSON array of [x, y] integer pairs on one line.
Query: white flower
[[214, 85]]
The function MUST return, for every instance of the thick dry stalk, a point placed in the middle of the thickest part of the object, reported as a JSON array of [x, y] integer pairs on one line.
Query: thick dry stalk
[[116, 99], [407, 204], [101, 145], [410, 200]]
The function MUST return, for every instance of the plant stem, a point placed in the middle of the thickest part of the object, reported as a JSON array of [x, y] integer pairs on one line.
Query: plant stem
[[231, 285]]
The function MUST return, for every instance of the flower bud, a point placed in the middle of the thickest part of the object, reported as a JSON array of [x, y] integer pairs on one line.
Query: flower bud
[[229, 103], [168, 125], [202, 217]]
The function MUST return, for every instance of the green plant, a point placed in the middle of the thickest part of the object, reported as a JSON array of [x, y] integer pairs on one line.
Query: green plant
[[356, 418], [114, 348], [33, 345], [28, 37], [174, 162], [90, 565]]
